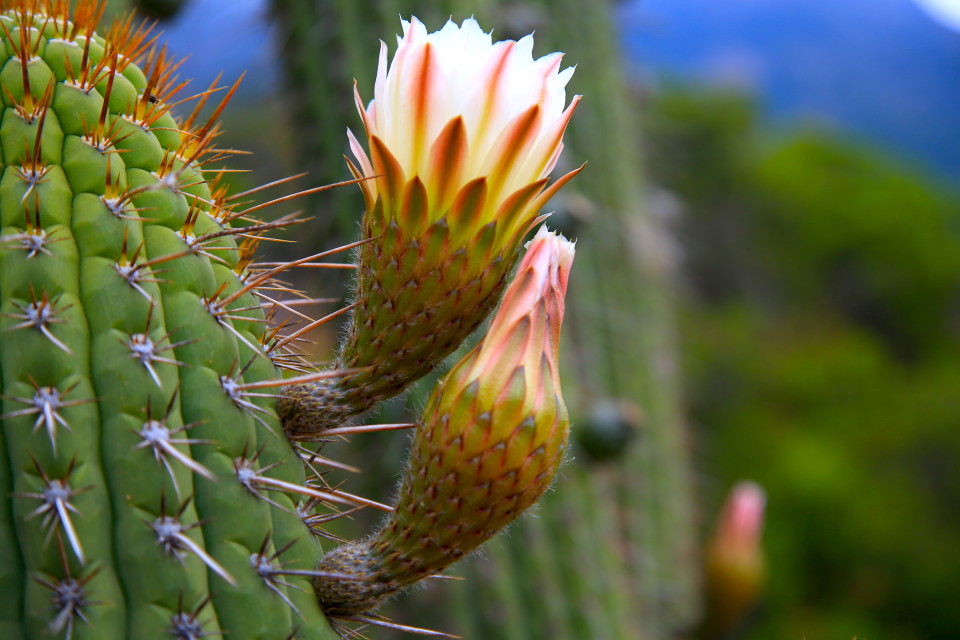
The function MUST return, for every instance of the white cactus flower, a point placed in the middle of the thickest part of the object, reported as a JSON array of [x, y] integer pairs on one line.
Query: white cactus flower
[[469, 118]]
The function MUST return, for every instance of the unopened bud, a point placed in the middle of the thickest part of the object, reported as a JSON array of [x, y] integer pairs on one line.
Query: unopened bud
[[489, 443], [735, 566]]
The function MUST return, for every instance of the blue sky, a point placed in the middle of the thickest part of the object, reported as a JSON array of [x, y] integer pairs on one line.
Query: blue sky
[[882, 70]]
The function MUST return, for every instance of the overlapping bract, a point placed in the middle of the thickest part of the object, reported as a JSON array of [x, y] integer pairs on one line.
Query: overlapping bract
[[462, 133], [488, 445]]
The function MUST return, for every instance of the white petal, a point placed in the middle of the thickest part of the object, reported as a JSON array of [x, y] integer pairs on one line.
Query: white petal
[[488, 84]]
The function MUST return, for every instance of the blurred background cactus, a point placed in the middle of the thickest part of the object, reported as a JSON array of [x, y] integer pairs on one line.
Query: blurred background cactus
[[756, 186], [611, 553]]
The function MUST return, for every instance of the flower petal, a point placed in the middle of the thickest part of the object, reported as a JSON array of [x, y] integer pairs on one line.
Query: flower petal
[[357, 149], [516, 210], [418, 90], [511, 147]]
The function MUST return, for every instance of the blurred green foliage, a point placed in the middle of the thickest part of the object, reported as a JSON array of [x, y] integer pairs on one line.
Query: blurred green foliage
[[820, 325]]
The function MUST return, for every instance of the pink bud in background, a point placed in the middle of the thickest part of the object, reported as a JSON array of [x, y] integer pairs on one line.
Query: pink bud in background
[[735, 568], [741, 522]]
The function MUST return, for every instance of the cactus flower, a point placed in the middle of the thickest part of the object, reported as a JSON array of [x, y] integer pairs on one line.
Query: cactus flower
[[735, 566], [463, 133], [467, 118], [488, 445]]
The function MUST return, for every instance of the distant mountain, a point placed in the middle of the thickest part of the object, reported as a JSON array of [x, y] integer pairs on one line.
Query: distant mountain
[[881, 69]]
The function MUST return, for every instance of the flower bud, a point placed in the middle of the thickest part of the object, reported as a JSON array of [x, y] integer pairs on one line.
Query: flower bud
[[735, 566], [488, 445]]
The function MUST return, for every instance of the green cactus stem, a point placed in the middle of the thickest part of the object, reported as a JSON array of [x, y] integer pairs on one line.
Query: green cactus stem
[[139, 448]]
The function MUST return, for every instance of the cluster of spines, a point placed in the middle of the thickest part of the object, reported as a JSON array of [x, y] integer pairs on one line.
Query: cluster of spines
[[144, 464]]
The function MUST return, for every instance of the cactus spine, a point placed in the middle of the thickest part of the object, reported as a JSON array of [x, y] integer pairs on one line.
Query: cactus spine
[[147, 486]]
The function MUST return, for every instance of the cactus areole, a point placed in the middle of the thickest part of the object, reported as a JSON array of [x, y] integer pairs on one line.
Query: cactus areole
[[148, 488]]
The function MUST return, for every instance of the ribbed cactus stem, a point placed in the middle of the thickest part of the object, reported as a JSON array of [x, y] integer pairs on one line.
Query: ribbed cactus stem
[[134, 358]]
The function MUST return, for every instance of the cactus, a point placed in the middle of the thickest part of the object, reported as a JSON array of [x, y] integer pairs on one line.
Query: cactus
[[148, 488], [135, 367]]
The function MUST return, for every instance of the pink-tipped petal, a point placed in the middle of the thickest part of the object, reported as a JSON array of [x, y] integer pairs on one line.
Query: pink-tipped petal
[[512, 145], [551, 190], [366, 186], [554, 160], [357, 149], [490, 84], [546, 151], [382, 65], [422, 77], [549, 65], [516, 211], [364, 115]]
